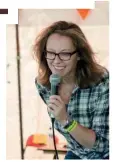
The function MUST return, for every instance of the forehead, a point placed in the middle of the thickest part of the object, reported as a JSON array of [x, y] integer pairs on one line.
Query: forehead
[[56, 41]]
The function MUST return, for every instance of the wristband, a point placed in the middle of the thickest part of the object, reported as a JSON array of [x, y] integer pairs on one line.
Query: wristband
[[71, 126]]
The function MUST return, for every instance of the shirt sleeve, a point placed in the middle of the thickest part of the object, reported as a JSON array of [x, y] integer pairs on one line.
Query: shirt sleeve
[[42, 93], [100, 122], [40, 90]]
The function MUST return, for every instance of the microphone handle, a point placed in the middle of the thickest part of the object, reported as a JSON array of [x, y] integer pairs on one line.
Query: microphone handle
[[54, 91]]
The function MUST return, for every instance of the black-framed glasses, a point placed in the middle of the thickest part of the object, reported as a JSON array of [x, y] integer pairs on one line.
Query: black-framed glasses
[[64, 56]]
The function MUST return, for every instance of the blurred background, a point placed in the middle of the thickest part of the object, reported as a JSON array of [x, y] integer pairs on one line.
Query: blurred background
[[34, 111]]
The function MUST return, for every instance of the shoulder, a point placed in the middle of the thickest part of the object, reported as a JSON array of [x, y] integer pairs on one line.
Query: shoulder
[[103, 85], [104, 82], [38, 85], [41, 88]]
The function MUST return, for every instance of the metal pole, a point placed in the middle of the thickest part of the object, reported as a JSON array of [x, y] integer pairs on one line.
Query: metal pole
[[19, 90]]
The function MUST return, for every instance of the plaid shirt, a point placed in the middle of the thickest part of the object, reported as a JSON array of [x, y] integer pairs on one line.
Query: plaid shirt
[[90, 108]]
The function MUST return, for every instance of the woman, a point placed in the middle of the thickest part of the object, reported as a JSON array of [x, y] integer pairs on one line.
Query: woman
[[81, 107]]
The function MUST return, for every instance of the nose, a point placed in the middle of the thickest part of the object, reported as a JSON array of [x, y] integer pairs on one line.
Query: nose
[[57, 59]]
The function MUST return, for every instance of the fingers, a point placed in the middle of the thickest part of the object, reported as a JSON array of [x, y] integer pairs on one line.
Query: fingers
[[55, 105], [56, 97], [55, 102], [52, 106]]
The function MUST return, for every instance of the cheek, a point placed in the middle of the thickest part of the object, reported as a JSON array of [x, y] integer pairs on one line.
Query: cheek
[[49, 64], [72, 64]]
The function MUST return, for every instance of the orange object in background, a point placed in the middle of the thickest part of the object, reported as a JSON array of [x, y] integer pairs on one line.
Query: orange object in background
[[31, 141], [83, 12], [38, 140]]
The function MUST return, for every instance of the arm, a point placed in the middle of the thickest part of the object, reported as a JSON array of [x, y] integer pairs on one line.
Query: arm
[[84, 136], [97, 136]]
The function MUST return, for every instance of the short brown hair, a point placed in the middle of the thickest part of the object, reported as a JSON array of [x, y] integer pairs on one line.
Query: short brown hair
[[88, 71]]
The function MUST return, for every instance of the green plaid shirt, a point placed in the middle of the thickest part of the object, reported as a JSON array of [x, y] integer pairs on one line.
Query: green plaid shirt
[[90, 108]]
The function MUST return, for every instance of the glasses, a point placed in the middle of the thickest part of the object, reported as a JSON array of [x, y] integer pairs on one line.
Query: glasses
[[64, 56]]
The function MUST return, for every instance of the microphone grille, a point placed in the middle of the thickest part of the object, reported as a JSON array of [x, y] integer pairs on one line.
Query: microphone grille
[[55, 79]]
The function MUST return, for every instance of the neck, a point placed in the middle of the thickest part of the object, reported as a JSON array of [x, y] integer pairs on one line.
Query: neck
[[69, 79]]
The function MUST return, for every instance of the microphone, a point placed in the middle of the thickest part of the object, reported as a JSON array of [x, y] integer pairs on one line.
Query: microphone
[[55, 79]]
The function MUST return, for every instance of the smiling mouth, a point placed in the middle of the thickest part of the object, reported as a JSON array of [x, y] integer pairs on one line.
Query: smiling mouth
[[59, 67]]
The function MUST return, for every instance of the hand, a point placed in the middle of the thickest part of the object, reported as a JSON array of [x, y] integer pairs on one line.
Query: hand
[[58, 108]]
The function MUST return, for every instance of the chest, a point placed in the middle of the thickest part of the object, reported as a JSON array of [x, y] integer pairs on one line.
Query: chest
[[65, 94]]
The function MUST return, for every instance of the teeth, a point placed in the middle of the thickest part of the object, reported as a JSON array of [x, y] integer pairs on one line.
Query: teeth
[[60, 68]]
